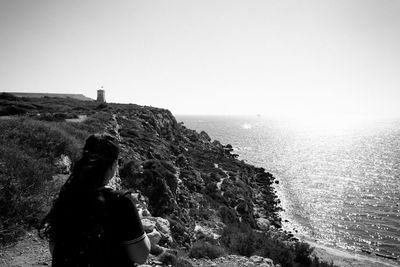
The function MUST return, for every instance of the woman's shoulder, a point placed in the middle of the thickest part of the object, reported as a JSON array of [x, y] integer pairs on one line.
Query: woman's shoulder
[[120, 201], [116, 194], [118, 197]]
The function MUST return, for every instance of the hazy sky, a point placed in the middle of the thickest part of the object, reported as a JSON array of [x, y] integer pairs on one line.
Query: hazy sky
[[337, 58]]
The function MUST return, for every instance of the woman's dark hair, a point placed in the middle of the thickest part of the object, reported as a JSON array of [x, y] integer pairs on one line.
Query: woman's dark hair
[[88, 173], [99, 153]]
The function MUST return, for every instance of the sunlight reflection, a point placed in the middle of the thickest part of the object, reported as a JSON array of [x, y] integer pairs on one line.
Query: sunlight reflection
[[328, 123]]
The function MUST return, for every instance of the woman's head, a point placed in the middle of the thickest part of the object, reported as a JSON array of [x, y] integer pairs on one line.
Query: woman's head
[[93, 170], [103, 146], [98, 160]]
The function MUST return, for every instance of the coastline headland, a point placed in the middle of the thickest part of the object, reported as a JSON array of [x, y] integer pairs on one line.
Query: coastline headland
[[204, 196]]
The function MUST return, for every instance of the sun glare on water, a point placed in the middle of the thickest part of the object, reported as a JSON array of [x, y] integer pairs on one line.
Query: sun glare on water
[[328, 124], [247, 126]]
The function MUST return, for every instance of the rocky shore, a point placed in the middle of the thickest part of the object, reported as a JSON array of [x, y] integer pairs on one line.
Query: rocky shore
[[190, 190]]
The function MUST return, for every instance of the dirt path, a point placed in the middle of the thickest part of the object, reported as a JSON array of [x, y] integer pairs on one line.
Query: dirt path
[[30, 251]]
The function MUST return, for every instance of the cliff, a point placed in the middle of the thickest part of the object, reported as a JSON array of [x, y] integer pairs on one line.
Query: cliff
[[194, 180], [197, 186]]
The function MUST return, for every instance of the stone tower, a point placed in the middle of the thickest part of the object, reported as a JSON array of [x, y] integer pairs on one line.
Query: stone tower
[[101, 95]]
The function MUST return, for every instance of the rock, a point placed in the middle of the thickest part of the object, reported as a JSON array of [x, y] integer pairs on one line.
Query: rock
[[154, 237], [135, 196], [148, 225], [203, 232], [236, 261], [193, 137], [168, 258], [157, 249], [143, 212], [263, 224], [204, 136], [261, 261], [161, 224], [277, 224], [163, 227], [256, 259], [217, 144]]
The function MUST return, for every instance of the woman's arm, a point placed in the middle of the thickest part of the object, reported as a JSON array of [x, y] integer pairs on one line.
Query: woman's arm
[[139, 251], [130, 230], [51, 245]]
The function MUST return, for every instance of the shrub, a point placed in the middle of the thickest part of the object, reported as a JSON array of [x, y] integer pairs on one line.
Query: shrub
[[179, 232], [97, 121], [28, 151], [317, 263], [182, 263], [128, 170], [228, 215], [247, 242], [102, 106], [7, 96], [39, 138], [303, 252], [11, 110], [243, 241], [212, 191], [52, 117], [202, 249], [163, 169], [168, 259], [25, 192]]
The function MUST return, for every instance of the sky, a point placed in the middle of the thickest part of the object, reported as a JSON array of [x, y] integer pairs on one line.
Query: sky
[[278, 58]]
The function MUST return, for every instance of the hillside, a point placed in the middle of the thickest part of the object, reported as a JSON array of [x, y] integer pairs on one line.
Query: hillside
[[40, 95], [211, 203]]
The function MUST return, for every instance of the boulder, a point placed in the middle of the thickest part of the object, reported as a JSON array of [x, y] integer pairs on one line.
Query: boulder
[[157, 249], [263, 224], [145, 213], [261, 261], [202, 232], [161, 224], [204, 136], [154, 237], [148, 225]]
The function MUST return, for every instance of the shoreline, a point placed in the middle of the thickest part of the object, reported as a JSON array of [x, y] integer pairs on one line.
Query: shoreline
[[346, 258], [339, 256]]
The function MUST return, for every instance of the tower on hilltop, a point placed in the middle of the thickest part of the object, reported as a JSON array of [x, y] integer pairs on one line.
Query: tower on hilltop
[[101, 95]]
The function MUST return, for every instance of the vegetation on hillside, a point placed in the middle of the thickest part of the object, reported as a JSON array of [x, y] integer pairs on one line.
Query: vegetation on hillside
[[184, 176], [29, 152]]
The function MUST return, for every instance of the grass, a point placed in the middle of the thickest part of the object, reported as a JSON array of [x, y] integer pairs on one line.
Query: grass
[[25, 186], [29, 149]]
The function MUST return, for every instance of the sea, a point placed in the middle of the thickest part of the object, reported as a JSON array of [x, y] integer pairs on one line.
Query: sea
[[339, 181]]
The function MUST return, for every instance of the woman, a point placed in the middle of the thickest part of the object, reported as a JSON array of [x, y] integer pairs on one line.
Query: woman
[[90, 224]]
